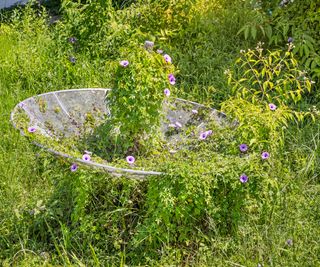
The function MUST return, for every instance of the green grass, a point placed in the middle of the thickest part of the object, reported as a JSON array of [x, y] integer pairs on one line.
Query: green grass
[[52, 217]]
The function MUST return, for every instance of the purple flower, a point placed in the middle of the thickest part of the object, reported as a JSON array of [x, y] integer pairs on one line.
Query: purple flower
[[272, 106], [73, 167], [209, 132], [203, 135], [289, 242], [72, 59], [21, 105], [172, 79], [148, 45], [243, 178], [130, 159], [31, 129], [194, 111], [290, 40], [72, 40], [159, 51], [86, 157], [265, 155], [167, 58], [178, 124], [124, 63], [166, 92], [243, 147]]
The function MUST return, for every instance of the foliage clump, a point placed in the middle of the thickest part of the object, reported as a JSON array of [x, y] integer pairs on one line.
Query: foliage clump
[[141, 81]]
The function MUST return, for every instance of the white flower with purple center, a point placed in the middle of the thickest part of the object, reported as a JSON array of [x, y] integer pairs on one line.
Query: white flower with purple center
[[178, 124], [130, 159], [73, 167], [289, 242], [194, 111], [166, 92], [72, 59], [86, 157], [31, 129], [167, 58], [243, 178], [172, 79], [243, 147], [209, 132], [203, 135], [124, 63], [265, 155], [272, 106]]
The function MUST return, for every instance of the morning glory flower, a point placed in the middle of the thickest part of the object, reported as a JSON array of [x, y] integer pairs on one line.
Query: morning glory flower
[[243, 147], [124, 63], [178, 124], [172, 79], [209, 132], [272, 106], [72, 40], [203, 135], [148, 44], [31, 129], [130, 159], [265, 155], [167, 58], [86, 157], [72, 59], [166, 92], [73, 167], [243, 178], [289, 242]]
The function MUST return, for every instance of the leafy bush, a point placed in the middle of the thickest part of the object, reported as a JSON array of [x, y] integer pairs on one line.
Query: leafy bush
[[292, 21], [271, 76]]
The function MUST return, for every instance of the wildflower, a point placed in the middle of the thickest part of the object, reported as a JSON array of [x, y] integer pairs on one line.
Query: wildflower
[[265, 155], [167, 58], [72, 59], [203, 135], [72, 40], [290, 40], [194, 111], [130, 159], [148, 44], [209, 132], [86, 157], [159, 51], [272, 106], [243, 178], [243, 147], [73, 167], [172, 79], [289, 242], [166, 92], [124, 63], [31, 129], [178, 124]]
